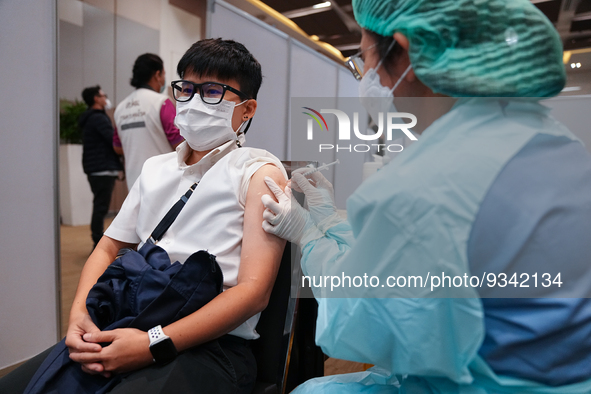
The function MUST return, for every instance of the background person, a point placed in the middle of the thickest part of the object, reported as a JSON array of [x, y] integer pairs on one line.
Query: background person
[[492, 186], [100, 162], [220, 81], [145, 118]]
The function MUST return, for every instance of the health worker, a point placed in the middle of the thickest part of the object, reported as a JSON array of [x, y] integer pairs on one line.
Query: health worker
[[494, 185]]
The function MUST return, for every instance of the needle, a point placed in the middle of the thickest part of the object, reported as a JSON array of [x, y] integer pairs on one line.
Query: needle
[[322, 167]]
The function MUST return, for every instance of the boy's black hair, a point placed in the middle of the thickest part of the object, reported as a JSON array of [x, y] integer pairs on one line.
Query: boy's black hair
[[144, 68], [89, 94], [223, 59]]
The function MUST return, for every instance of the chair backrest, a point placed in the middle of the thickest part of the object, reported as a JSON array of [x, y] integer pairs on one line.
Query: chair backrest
[[272, 348]]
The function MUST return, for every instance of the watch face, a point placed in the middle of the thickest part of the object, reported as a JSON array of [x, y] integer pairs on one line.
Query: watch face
[[163, 351]]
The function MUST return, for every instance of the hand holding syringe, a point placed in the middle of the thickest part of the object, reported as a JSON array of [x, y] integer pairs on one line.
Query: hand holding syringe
[[316, 216], [319, 193], [322, 167], [311, 171]]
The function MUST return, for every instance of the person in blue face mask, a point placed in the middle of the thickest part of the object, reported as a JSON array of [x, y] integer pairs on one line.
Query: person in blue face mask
[[494, 186]]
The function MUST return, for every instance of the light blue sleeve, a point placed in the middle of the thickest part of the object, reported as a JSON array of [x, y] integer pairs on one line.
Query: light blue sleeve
[[320, 254], [434, 336]]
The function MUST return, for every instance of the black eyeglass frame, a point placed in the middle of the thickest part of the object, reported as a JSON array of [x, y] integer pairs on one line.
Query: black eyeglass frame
[[199, 85]]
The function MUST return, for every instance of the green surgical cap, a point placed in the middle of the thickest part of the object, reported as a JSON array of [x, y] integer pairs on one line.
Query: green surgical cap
[[473, 48]]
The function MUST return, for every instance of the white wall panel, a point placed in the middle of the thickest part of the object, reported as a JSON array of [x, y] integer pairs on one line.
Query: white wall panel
[[132, 40], [107, 5], [348, 86], [270, 48], [313, 75], [28, 166], [70, 63], [349, 172], [98, 49], [179, 30], [70, 11], [145, 12]]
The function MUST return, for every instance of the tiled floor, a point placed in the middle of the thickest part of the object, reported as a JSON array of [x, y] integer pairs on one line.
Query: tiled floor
[[76, 246]]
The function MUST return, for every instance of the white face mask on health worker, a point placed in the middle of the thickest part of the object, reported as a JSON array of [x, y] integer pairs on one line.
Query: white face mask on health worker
[[206, 126], [375, 97]]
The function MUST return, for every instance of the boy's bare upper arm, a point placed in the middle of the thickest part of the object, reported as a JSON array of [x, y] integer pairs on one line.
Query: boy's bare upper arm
[[261, 252]]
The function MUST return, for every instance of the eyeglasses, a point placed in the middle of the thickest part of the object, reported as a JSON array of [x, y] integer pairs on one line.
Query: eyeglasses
[[210, 92], [355, 63]]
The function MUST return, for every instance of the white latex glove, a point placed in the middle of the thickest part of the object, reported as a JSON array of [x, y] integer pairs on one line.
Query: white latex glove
[[286, 218], [319, 197]]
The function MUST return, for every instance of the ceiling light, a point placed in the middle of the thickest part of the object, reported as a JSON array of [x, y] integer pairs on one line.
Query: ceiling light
[[578, 65], [315, 9], [321, 5], [572, 65], [348, 47], [571, 89]]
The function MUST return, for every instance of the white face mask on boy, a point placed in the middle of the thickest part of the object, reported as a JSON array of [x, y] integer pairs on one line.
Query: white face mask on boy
[[206, 126]]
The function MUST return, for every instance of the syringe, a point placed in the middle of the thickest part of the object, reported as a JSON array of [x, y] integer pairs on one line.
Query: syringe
[[322, 167]]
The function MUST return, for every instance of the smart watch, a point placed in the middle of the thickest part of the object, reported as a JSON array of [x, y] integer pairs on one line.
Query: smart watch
[[161, 346]]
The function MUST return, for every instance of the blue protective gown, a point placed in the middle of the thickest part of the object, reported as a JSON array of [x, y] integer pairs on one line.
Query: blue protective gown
[[424, 212]]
